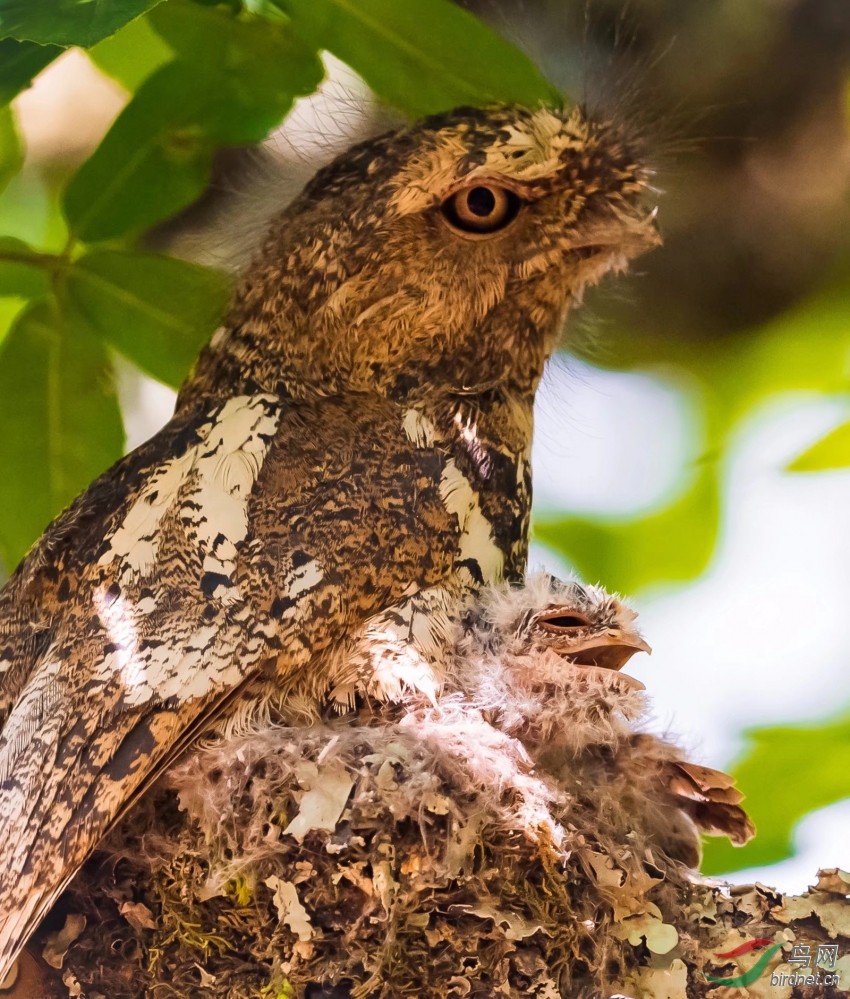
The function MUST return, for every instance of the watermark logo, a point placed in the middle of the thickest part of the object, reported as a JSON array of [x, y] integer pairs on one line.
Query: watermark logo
[[825, 956]]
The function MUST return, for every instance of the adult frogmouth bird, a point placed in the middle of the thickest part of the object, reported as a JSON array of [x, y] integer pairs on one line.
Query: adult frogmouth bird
[[347, 461]]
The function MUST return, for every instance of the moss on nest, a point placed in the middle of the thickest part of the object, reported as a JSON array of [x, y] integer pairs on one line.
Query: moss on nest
[[419, 857]]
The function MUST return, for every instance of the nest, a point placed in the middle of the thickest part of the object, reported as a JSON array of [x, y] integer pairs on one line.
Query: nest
[[423, 855]]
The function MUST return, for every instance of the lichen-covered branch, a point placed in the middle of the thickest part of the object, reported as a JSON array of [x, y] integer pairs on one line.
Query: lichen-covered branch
[[745, 941]]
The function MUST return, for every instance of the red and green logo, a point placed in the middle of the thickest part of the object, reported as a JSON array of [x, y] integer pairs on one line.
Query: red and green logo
[[757, 970]]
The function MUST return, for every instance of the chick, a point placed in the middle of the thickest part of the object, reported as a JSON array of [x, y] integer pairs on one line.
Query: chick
[[542, 662]]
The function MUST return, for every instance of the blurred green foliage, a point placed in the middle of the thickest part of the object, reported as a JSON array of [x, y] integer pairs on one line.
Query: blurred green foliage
[[11, 150], [67, 22], [77, 285], [805, 350], [829, 453], [132, 54], [788, 771]]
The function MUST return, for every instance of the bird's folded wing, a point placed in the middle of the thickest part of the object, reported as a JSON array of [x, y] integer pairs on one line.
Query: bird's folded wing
[[148, 638], [252, 534]]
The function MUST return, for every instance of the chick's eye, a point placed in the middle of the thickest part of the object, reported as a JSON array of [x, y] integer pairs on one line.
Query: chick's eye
[[562, 622], [481, 210]]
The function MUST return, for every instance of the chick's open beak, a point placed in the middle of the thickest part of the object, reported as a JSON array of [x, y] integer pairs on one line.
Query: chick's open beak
[[611, 651]]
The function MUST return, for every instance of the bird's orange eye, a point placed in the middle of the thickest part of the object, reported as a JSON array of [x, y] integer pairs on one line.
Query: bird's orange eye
[[482, 209], [560, 622]]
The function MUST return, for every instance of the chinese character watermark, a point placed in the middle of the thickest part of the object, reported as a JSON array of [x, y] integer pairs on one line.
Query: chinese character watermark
[[812, 967], [825, 956]]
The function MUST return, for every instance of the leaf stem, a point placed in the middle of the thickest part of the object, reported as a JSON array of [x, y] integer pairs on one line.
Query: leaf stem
[[49, 261]]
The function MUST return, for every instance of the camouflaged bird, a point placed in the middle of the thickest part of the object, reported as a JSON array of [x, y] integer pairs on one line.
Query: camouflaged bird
[[347, 461]]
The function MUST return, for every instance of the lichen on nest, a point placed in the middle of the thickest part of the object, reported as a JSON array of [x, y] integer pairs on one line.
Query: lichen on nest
[[429, 850]]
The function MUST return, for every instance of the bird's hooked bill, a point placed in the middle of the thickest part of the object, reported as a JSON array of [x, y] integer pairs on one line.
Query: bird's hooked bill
[[611, 651]]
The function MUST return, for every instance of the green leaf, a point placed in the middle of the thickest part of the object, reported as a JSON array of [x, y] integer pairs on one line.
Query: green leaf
[[829, 453], [22, 270], [10, 309], [23, 278], [67, 22], [131, 54], [673, 545], [20, 63], [259, 65], [30, 211], [238, 84], [11, 149], [422, 57], [154, 160], [155, 310], [61, 425], [787, 772]]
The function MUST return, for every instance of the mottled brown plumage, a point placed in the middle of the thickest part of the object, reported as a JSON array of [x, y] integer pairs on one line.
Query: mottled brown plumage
[[348, 462]]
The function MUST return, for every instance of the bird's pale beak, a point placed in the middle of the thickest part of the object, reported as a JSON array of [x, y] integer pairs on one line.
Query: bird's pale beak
[[611, 651]]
